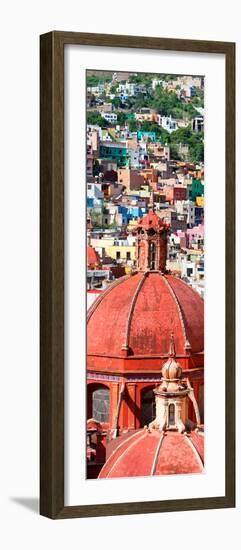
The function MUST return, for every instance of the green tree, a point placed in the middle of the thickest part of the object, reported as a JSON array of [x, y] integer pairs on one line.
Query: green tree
[[92, 80], [113, 89], [197, 152], [194, 140], [190, 110], [95, 80], [121, 118], [147, 126], [116, 102], [133, 125], [165, 102], [174, 152], [139, 101], [182, 135], [93, 117], [96, 218]]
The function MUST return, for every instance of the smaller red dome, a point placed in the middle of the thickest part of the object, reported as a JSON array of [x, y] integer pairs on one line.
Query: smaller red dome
[[148, 453]]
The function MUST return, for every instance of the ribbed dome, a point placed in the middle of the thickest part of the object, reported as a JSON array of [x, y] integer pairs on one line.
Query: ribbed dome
[[147, 453], [171, 369], [139, 313]]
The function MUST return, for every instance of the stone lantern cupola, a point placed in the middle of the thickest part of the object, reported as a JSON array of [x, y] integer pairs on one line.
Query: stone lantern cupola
[[171, 396]]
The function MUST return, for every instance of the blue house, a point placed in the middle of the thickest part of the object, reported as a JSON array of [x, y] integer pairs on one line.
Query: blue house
[[131, 212]]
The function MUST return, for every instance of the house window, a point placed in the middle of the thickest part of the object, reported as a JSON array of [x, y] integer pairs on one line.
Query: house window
[[128, 255], [118, 255]]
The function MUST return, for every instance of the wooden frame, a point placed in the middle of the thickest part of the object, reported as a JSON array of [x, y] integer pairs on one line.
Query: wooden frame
[[52, 274]]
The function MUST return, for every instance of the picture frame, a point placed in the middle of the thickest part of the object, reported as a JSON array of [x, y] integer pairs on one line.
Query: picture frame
[[52, 202]]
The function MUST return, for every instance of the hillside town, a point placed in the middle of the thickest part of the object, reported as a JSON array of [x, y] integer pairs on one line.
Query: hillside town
[[145, 150]]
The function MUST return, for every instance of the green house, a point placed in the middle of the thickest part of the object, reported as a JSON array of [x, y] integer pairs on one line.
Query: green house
[[196, 189], [115, 152]]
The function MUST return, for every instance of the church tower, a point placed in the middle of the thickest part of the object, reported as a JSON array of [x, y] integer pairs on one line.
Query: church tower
[[151, 243]]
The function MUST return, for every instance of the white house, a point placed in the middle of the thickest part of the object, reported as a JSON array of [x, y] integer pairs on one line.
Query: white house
[[110, 117], [167, 123], [187, 208]]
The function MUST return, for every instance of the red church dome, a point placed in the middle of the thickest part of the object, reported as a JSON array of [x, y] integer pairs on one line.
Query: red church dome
[[138, 313], [148, 453]]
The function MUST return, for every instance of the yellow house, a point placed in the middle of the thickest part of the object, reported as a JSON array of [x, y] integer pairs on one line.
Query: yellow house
[[200, 201], [116, 249], [122, 252]]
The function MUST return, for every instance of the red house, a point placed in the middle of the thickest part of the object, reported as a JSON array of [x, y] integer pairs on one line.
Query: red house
[[175, 193]]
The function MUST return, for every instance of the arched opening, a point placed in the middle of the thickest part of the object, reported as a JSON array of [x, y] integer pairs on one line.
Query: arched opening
[[171, 414], [98, 402], [148, 406], [152, 256], [151, 232]]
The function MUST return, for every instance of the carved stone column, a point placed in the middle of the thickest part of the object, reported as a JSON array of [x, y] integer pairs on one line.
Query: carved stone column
[[131, 406]]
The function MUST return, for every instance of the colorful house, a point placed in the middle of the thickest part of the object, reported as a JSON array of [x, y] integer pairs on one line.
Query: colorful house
[[116, 152]]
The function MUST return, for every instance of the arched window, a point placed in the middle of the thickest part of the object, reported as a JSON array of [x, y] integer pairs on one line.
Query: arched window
[[171, 414], [152, 256], [101, 404], [151, 232], [148, 407]]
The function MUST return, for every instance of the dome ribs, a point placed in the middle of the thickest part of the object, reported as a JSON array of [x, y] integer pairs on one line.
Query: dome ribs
[[192, 307], [116, 453], [134, 317], [126, 450], [154, 453], [177, 456], [195, 451], [156, 458], [95, 304], [197, 439], [125, 345], [179, 310]]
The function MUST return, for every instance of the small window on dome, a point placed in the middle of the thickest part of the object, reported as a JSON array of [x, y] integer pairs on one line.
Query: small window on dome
[[171, 414]]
